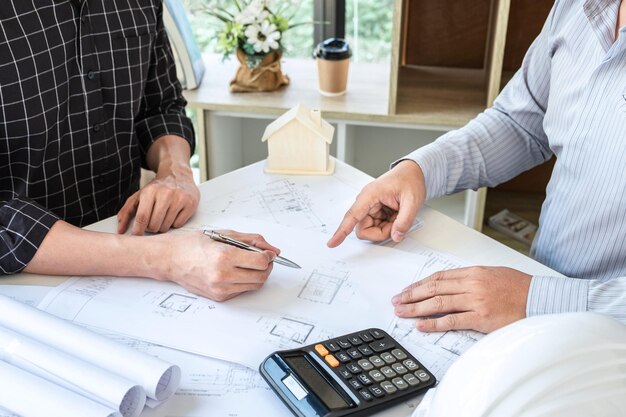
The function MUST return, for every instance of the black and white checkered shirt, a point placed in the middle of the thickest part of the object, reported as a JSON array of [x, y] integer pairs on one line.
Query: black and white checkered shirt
[[86, 86]]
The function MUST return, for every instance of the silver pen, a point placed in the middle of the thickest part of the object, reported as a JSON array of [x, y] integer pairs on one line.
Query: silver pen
[[219, 237]]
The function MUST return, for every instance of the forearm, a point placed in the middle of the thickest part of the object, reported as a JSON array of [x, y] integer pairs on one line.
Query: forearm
[[548, 295], [68, 250], [169, 152]]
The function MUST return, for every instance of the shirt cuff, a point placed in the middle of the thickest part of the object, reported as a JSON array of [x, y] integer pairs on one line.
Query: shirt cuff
[[433, 163], [549, 295], [25, 224]]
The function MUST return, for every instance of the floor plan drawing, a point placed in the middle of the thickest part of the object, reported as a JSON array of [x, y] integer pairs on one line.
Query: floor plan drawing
[[436, 350], [293, 330], [173, 305], [323, 285]]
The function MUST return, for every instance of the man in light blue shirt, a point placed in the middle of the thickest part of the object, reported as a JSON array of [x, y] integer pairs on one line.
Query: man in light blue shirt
[[568, 99]]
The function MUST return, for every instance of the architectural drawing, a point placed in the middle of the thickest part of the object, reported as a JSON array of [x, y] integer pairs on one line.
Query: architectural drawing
[[437, 351], [323, 285], [293, 330], [173, 305], [281, 201]]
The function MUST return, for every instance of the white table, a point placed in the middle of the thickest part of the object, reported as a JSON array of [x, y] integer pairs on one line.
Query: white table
[[438, 231]]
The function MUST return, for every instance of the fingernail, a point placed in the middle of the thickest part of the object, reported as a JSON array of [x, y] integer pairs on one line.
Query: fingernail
[[397, 236], [395, 300], [399, 310]]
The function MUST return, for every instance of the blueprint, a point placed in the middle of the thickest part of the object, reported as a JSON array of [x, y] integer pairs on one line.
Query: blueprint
[[301, 202], [437, 351], [211, 387], [336, 291]]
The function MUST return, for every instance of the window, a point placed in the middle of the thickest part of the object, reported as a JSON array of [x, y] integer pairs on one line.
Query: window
[[366, 24]]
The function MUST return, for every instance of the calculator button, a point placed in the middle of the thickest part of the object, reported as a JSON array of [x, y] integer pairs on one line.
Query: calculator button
[[343, 357], [366, 350], [400, 383], [355, 340], [387, 357], [353, 368], [388, 387], [366, 395], [378, 376], [365, 379], [377, 334], [346, 374], [400, 355], [399, 368], [354, 354], [344, 344], [411, 379], [356, 384], [332, 346], [319, 348], [332, 361], [366, 365], [376, 361], [423, 376], [410, 364], [377, 391], [381, 345], [366, 337], [388, 372]]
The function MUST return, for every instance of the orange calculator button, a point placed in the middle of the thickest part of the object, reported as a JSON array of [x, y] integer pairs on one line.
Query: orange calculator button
[[332, 361], [319, 348]]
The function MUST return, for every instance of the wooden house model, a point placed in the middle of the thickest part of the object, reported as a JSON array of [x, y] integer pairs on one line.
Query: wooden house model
[[298, 143]]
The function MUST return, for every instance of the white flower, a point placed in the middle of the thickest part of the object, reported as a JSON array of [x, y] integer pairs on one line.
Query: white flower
[[253, 13], [263, 37]]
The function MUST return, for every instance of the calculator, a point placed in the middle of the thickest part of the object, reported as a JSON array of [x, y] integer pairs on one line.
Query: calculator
[[356, 374]]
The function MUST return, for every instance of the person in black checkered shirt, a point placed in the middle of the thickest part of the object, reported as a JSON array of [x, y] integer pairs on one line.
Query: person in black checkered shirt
[[89, 95]]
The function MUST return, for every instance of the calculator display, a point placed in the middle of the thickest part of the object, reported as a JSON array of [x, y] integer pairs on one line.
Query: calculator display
[[314, 380]]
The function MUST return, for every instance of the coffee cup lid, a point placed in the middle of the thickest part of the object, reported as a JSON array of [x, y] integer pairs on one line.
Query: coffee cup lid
[[333, 49]]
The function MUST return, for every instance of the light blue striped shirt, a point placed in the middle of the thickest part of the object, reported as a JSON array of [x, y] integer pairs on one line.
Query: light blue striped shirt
[[568, 99]]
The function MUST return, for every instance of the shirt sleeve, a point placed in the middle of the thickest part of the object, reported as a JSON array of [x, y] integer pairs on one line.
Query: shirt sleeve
[[162, 109], [550, 295], [23, 226], [501, 142]]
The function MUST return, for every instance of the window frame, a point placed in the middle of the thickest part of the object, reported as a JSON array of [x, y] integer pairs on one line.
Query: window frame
[[330, 18]]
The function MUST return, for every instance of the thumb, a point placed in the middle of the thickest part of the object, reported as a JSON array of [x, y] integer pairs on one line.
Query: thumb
[[407, 212]]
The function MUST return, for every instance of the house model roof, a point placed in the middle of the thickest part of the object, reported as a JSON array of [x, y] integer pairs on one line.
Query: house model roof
[[310, 119]]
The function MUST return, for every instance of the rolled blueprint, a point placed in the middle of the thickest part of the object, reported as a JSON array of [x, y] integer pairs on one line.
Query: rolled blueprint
[[74, 374], [158, 378], [43, 398]]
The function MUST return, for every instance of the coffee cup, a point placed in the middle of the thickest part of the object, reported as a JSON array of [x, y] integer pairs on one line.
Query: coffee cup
[[333, 60]]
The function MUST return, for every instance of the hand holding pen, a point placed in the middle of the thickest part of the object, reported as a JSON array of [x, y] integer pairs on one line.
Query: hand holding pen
[[229, 240], [215, 270]]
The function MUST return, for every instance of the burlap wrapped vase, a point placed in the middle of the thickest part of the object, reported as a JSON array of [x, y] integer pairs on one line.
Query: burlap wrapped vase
[[267, 76]]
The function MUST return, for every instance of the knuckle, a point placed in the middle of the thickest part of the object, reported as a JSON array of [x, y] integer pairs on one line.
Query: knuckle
[[142, 219], [450, 321], [432, 287], [221, 258], [438, 276], [439, 303]]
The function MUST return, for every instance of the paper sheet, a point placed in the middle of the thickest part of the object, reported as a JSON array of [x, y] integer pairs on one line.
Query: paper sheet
[[336, 291], [437, 351], [210, 387], [158, 378], [27, 294], [301, 201], [64, 370], [42, 397]]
